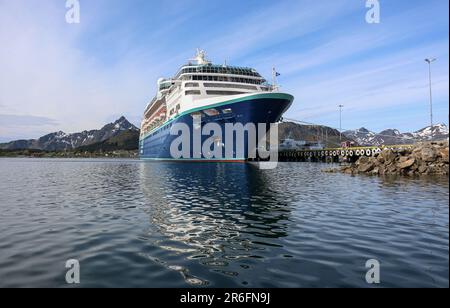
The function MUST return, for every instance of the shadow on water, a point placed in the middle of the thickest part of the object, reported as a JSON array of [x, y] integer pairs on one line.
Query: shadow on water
[[215, 215]]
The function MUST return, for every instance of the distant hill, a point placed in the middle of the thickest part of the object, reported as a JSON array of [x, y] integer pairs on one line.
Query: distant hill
[[60, 141], [393, 136], [127, 140], [311, 133]]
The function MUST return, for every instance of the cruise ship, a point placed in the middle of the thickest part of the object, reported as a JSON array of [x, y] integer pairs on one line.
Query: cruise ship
[[201, 93]]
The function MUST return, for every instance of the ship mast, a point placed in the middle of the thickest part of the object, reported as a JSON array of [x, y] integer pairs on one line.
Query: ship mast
[[275, 87], [200, 57]]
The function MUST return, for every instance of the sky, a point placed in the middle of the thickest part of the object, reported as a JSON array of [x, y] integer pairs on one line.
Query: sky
[[59, 76]]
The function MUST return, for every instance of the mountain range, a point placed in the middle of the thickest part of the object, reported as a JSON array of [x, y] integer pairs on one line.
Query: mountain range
[[366, 137], [121, 131], [122, 135]]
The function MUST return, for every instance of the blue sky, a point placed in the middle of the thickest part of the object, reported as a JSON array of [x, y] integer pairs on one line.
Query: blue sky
[[72, 77]]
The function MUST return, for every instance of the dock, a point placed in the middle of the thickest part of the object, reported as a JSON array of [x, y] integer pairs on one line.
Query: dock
[[335, 155]]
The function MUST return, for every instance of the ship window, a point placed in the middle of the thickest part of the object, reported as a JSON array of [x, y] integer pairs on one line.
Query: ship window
[[192, 92], [211, 92], [211, 112], [229, 79], [228, 110], [178, 107], [191, 84], [227, 85]]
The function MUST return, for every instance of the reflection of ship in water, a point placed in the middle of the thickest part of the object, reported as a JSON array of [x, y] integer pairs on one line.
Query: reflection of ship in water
[[221, 217]]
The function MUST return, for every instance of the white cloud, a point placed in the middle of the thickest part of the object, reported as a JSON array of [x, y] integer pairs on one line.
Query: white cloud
[[45, 73], [11, 119], [389, 80], [269, 25]]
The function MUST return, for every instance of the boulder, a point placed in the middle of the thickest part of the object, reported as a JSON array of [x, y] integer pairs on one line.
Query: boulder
[[402, 159], [406, 163], [443, 153], [389, 155], [411, 173], [392, 169], [348, 171], [362, 160], [373, 160], [375, 171], [428, 154], [366, 167], [422, 169]]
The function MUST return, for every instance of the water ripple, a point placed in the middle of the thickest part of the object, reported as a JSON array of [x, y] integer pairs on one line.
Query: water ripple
[[137, 224]]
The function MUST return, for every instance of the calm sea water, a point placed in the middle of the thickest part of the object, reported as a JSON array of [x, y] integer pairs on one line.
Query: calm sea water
[[137, 224]]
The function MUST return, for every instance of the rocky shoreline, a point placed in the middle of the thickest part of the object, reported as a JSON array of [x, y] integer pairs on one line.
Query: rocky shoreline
[[429, 158]]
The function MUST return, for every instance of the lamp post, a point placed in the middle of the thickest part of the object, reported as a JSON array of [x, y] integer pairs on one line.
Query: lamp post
[[429, 61], [340, 122]]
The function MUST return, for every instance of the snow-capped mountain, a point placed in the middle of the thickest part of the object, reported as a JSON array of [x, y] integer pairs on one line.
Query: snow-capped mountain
[[362, 136], [439, 132], [392, 136], [60, 141]]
